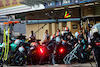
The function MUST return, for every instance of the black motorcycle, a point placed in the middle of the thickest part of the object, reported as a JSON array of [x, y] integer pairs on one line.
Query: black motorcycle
[[38, 54], [20, 56]]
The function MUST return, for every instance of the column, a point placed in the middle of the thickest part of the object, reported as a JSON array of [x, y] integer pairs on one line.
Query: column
[[69, 25], [53, 28], [49, 29], [60, 26]]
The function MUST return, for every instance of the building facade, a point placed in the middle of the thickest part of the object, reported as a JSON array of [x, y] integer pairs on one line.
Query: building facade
[[76, 8]]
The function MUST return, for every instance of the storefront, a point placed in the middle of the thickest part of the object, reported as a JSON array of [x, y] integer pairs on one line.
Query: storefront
[[55, 21], [72, 22]]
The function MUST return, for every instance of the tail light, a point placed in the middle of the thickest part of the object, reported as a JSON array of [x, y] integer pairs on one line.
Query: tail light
[[61, 50], [41, 50]]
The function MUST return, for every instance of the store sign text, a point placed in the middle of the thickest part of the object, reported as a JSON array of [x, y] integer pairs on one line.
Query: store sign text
[[6, 3]]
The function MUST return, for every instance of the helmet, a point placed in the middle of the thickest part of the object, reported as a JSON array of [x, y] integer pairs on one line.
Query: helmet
[[58, 40], [77, 34], [94, 30], [66, 29], [63, 42], [3, 44], [17, 41], [58, 34], [21, 49], [7, 33], [33, 44], [53, 36]]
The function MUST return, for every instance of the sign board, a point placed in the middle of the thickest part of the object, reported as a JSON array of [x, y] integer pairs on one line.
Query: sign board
[[66, 2], [9, 3], [67, 15], [75, 26]]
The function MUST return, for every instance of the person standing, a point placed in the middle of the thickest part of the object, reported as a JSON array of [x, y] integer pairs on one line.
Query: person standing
[[95, 43], [63, 31], [58, 33], [32, 37], [46, 36], [32, 34]]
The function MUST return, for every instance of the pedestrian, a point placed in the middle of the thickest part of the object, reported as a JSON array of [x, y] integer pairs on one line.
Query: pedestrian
[[32, 34], [95, 43], [46, 36], [32, 37], [63, 31], [58, 33]]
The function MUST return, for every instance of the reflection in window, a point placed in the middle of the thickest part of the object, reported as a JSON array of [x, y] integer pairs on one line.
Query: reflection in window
[[66, 1]]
